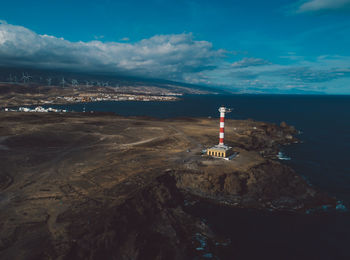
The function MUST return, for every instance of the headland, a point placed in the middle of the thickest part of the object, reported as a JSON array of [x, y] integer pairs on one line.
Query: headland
[[92, 185]]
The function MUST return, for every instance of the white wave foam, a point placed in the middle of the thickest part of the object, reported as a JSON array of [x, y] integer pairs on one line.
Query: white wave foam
[[281, 156], [340, 206]]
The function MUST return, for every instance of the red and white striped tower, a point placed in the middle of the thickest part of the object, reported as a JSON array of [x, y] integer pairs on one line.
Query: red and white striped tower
[[222, 111]]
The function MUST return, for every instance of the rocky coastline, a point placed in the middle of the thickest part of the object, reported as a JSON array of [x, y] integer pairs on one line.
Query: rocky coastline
[[77, 186]]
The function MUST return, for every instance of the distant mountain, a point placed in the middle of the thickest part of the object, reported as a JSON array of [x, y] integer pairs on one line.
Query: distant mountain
[[66, 79], [41, 77], [276, 91]]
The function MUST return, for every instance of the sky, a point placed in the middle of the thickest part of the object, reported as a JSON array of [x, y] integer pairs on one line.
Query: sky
[[276, 46]]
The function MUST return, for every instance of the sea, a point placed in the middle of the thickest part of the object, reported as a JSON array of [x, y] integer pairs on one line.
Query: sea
[[322, 158]]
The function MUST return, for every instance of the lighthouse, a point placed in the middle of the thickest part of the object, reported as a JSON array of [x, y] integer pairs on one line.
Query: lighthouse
[[221, 150], [222, 111]]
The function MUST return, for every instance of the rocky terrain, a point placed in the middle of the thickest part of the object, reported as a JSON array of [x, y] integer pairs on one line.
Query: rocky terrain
[[100, 186]]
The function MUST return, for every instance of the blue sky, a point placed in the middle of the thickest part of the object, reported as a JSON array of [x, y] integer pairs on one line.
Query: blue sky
[[273, 46]]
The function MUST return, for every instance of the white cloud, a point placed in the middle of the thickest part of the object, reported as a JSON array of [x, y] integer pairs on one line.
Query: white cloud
[[323, 5], [166, 56], [98, 37], [176, 57], [249, 62]]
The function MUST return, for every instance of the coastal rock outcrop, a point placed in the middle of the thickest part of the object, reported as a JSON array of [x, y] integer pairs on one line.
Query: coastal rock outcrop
[[268, 185], [254, 178], [149, 225]]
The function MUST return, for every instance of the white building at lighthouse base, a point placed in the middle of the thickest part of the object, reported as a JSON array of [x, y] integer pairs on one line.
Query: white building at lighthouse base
[[222, 151]]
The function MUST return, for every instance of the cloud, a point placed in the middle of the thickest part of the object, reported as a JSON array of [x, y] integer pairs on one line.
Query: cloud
[[98, 37], [323, 5], [177, 57], [170, 56], [249, 62], [328, 73], [244, 75], [308, 75]]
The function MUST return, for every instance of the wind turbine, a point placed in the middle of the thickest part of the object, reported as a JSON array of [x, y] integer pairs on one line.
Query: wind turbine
[[74, 82], [106, 84], [49, 80], [26, 78], [63, 82]]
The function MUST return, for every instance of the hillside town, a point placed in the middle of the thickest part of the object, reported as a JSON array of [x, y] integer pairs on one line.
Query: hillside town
[[95, 97], [38, 109], [13, 95]]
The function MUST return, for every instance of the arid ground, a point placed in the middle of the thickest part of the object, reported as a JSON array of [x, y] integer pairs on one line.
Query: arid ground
[[101, 186]]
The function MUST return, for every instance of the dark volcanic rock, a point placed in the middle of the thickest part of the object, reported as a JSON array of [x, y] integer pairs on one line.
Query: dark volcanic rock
[[150, 225], [267, 185], [5, 181], [267, 138]]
